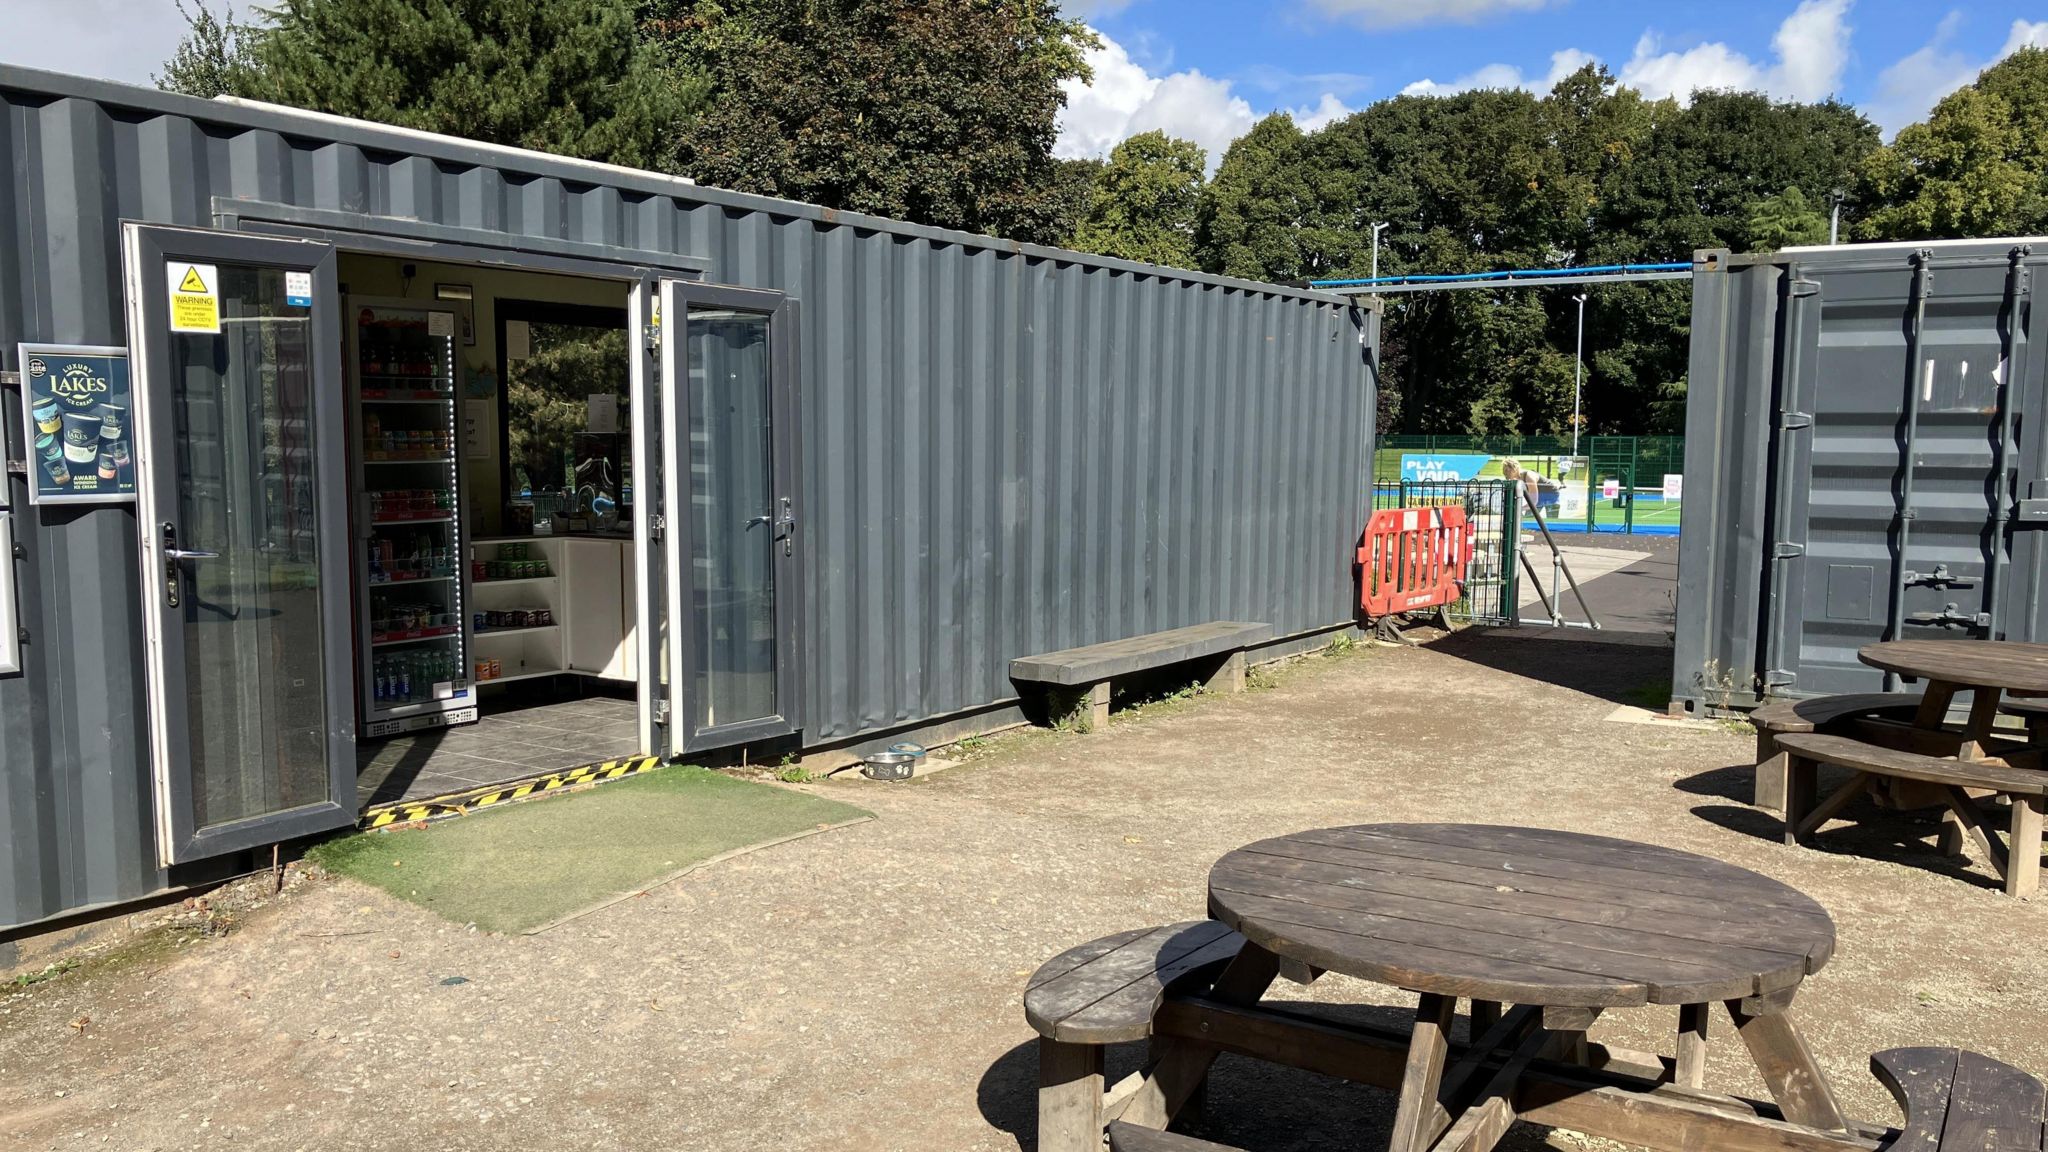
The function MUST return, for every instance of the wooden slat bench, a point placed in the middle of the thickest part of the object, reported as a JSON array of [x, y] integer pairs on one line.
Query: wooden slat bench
[[2018, 863], [1080, 677], [1958, 1101], [2033, 710], [1817, 714], [1105, 992]]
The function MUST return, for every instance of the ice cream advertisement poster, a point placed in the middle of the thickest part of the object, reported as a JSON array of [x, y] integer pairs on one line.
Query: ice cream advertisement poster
[[77, 405]]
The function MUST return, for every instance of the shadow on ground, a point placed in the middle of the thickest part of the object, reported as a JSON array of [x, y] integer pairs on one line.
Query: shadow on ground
[[1625, 668], [1248, 1104], [1871, 831]]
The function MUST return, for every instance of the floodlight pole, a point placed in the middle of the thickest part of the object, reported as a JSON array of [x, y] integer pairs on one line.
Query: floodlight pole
[[1835, 217], [1376, 230], [1578, 372]]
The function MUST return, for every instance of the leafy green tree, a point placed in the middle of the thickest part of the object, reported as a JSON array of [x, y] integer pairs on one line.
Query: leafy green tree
[[213, 59], [1784, 221], [1251, 213], [1977, 167], [565, 76], [1142, 204], [937, 111]]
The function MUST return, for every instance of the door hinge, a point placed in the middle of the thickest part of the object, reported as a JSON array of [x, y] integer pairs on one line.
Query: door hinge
[[10, 377], [661, 712], [1794, 421], [2031, 511], [1787, 550], [1798, 289], [655, 523], [654, 337], [1778, 678]]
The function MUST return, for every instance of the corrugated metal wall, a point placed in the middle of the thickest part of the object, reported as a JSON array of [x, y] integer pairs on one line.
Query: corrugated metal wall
[[1806, 370], [1007, 450]]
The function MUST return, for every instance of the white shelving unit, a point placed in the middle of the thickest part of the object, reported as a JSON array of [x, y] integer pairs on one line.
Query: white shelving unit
[[522, 653]]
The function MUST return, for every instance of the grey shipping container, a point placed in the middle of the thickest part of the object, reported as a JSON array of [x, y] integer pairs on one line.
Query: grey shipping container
[[1002, 449], [1865, 461]]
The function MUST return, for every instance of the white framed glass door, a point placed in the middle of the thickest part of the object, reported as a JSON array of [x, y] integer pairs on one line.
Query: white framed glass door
[[242, 511], [732, 511]]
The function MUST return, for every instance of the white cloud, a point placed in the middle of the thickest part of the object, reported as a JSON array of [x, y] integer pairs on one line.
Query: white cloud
[[1909, 89], [2024, 35], [1328, 111], [1125, 99], [1562, 64], [1408, 13], [1812, 48]]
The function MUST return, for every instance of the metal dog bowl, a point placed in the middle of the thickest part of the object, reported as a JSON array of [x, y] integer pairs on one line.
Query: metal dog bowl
[[888, 765]]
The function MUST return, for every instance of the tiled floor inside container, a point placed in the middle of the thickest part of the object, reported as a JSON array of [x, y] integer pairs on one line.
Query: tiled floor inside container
[[514, 741]]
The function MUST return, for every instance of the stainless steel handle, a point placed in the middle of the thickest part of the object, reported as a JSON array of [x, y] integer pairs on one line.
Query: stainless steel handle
[[194, 554], [754, 522]]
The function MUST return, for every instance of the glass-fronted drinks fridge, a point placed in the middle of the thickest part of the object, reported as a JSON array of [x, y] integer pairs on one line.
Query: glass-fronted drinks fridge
[[412, 635]]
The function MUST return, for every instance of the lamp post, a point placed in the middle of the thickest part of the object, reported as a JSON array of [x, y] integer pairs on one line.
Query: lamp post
[[1376, 230], [1835, 217], [1578, 372]]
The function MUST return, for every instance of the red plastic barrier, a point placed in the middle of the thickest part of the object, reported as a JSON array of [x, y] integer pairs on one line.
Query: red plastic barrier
[[1414, 558]]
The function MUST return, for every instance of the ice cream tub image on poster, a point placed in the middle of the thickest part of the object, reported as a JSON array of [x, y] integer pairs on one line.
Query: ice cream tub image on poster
[[76, 401]]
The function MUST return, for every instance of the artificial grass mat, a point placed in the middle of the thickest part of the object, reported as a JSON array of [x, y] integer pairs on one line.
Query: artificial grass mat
[[528, 864]]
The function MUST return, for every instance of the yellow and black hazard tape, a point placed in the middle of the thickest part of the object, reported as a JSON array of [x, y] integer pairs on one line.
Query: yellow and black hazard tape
[[459, 803]]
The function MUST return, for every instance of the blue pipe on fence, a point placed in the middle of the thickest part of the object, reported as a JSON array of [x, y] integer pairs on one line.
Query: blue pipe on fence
[[1504, 276]]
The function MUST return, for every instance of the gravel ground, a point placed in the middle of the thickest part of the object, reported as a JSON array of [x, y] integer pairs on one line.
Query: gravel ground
[[861, 989]]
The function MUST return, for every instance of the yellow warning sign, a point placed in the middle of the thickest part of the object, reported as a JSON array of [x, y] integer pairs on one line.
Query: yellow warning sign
[[195, 297]]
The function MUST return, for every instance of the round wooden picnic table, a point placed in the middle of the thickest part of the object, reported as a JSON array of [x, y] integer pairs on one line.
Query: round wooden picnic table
[[1567, 923], [1985, 668]]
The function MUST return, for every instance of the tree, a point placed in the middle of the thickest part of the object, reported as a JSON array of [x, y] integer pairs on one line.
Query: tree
[[1142, 203], [214, 58], [564, 76], [1977, 167], [1251, 214], [936, 111], [1785, 221]]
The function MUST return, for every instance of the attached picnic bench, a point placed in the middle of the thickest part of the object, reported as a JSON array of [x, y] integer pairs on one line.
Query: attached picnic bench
[[1815, 714], [1079, 678], [1106, 992], [2018, 862], [1958, 1101]]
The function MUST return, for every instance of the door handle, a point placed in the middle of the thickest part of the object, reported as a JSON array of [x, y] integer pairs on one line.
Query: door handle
[[754, 522], [173, 555]]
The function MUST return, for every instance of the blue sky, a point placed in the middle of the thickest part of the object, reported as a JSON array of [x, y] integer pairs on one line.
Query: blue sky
[[1206, 68]]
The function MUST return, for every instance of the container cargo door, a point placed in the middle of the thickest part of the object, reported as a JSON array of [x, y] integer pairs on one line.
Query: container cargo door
[[732, 515], [1903, 400], [242, 507]]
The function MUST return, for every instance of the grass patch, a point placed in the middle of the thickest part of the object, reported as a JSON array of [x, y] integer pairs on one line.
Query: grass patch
[[515, 868]]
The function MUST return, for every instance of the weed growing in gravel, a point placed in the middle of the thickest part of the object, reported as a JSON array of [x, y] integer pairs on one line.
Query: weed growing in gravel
[[51, 972]]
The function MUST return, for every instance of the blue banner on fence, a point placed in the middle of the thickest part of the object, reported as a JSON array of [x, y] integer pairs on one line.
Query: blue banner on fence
[[1439, 467]]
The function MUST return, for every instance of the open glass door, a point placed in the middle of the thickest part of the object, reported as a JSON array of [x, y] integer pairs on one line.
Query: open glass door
[[241, 492], [730, 501]]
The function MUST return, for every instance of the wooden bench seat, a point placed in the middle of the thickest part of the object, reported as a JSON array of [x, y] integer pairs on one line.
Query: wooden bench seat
[[2033, 710], [1080, 677], [1958, 1101], [1815, 714], [1105, 992], [2019, 863]]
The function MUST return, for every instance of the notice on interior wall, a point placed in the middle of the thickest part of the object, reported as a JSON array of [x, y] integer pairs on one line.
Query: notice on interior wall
[[601, 413], [518, 340], [477, 439]]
